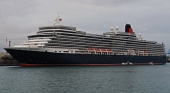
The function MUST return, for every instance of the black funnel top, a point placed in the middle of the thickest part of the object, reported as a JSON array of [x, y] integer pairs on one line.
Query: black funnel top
[[127, 26]]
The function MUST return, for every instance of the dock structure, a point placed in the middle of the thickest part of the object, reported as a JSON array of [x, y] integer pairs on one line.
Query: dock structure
[[168, 56]]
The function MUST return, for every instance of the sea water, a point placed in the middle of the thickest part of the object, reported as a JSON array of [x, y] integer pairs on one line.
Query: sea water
[[85, 79]]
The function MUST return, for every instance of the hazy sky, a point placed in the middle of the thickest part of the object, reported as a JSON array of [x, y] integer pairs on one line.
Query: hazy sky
[[20, 18]]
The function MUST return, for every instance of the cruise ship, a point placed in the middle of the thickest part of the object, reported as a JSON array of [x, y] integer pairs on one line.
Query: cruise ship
[[60, 45]]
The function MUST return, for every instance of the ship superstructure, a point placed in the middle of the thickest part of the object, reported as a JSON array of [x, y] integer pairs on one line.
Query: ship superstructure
[[59, 38]]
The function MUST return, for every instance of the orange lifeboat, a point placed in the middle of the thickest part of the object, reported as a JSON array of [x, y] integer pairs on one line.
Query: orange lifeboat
[[91, 49], [145, 53], [97, 49], [109, 50], [104, 50]]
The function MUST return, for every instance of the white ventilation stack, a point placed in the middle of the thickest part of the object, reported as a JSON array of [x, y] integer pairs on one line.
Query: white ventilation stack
[[117, 29], [140, 36], [111, 29]]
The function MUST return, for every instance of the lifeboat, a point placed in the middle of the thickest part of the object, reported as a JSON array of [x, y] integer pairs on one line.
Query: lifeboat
[[91, 50], [104, 50], [97, 49], [109, 50], [145, 53]]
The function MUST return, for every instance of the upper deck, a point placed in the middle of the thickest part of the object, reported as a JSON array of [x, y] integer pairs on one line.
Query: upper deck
[[57, 27]]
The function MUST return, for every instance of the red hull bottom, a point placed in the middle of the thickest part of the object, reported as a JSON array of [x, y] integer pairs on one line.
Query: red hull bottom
[[43, 65]]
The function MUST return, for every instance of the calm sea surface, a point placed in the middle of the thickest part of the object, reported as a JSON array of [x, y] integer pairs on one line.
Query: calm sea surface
[[85, 79]]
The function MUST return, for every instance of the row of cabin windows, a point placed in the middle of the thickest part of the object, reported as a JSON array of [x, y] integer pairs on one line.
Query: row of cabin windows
[[89, 41], [66, 28], [76, 45], [71, 41], [82, 40], [71, 37], [56, 31], [86, 46], [60, 36], [85, 38], [92, 52], [77, 48], [93, 43], [101, 43], [40, 36], [79, 42], [66, 48], [111, 53]]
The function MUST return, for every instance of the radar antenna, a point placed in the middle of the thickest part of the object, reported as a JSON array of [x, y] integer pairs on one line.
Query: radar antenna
[[58, 19]]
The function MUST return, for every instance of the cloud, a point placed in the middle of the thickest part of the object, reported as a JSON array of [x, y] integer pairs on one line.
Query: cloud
[[103, 3], [20, 18]]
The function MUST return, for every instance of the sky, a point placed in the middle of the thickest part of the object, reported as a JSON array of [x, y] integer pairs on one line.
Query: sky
[[20, 18]]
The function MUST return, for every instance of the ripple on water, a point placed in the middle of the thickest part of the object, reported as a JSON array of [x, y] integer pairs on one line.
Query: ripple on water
[[85, 79]]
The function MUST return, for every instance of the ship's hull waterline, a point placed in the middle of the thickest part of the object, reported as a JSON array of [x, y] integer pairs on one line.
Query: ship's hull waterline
[[37, 58]]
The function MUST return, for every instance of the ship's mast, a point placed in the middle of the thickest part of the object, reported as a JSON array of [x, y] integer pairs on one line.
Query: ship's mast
[[58, 19]]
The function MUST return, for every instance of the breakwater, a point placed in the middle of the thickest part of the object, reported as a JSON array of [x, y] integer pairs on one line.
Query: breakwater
[[9, 63], [168, 59], [8, 60]]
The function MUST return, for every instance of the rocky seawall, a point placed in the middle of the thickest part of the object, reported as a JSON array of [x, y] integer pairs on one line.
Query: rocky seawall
[[168, 59], [9, 63], [8, 60]]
